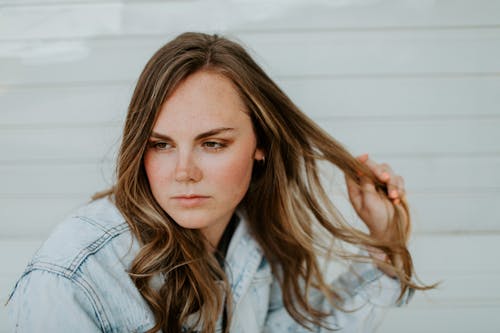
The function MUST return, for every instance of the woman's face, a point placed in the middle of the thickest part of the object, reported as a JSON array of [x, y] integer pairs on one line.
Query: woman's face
[[201, 153]]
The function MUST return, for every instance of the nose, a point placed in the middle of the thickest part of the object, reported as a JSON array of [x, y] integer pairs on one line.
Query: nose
[[186, 168]]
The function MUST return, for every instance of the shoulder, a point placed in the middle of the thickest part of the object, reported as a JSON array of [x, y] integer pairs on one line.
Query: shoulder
[[91, 229], [82, 270]]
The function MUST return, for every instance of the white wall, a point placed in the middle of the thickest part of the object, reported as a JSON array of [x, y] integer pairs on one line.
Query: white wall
[[416, 83]]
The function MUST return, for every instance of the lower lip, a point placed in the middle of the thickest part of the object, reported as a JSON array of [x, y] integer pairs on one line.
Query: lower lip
[[191, 202]]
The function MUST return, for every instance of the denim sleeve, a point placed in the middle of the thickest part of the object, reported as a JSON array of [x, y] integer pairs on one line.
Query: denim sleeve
[[366, 292], [44, 301]]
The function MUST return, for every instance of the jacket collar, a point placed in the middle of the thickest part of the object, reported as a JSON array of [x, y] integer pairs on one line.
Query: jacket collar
[[243, 259]]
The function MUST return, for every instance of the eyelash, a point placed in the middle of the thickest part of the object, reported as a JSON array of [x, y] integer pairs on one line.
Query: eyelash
[[211, 145], [156, 145], [218, 145]]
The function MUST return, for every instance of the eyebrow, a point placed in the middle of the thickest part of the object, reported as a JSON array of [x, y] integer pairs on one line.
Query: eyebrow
[[203, 135]]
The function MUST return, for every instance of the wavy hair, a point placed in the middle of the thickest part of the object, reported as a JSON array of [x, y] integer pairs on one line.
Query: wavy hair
[[286, 204]]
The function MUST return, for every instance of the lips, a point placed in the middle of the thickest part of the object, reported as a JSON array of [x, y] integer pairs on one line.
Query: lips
[[190, 200], [189, 196]]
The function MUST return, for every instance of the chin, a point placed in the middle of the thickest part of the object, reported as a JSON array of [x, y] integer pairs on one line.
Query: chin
[[192, 219]]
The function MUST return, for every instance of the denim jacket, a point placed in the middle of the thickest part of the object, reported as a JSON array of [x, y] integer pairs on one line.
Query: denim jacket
[[78, 282]]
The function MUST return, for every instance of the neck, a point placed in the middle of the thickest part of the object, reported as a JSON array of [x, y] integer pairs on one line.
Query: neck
[[213, 235]]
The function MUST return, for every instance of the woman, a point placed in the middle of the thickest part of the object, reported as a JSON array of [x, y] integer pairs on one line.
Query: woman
[[215, 219]]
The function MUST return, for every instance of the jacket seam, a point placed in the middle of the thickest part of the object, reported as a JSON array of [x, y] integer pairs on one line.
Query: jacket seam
[[94, 222], [96, 245], [70, 272], [63, 272]]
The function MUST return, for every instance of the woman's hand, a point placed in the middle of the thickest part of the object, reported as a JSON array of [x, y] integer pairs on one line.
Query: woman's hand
[[374, 209]]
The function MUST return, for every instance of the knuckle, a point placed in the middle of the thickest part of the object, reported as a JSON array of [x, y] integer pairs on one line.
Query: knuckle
[[386, 167]]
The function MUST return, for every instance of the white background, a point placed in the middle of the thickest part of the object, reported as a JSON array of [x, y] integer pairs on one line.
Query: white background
[[416, 83]]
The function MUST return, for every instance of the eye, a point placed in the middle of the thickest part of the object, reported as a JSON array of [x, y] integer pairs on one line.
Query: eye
[[214, 145], [159, 145]]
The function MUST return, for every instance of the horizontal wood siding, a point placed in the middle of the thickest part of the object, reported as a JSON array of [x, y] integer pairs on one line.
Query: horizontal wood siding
[[414, 83]]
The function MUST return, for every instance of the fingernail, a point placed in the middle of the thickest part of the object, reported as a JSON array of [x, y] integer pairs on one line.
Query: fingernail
[[363, 157]]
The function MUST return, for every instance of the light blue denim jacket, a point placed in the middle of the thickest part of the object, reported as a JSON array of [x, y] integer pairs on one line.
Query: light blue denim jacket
[[78, 282]]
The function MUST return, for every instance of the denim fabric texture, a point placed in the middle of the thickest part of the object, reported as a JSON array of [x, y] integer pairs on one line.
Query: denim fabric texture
[[78, 282]]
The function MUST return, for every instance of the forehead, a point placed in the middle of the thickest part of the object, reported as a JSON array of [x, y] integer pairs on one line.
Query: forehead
[[203, 100]]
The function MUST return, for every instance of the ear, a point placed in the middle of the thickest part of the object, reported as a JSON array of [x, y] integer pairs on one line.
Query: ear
[[259, 154]]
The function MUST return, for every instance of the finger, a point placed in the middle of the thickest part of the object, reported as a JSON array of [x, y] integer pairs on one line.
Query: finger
[[382, 171], [396, 187], [363, 157], [401, 186], [354, 192], [367, 186]]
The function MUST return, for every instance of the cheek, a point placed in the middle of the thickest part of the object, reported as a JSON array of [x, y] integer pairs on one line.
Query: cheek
[[155, 171], [234, 174]]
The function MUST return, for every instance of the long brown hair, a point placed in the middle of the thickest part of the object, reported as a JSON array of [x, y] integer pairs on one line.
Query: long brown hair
[[286, 203]]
